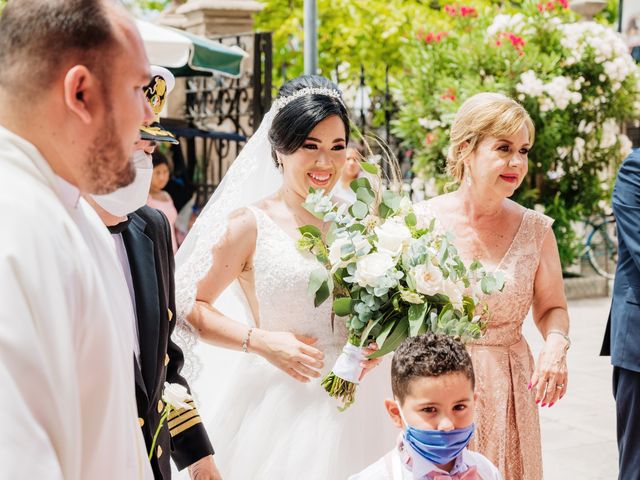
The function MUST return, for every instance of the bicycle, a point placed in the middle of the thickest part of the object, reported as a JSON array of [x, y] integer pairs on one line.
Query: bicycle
[[601, 246]]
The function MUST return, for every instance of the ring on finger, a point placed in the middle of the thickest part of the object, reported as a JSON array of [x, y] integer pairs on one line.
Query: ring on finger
[[560, 386]]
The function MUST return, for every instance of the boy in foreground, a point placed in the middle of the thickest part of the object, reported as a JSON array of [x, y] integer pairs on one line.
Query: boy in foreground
[[432, 381]]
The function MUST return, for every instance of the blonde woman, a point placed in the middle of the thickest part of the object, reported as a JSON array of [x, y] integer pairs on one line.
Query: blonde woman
[[488, 156]]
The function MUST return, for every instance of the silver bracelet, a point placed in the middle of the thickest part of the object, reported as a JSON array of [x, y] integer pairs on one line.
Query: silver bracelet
[[563, 335], [246, 340]]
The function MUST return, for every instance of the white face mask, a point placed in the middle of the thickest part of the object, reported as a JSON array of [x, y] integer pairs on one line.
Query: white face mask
[[128, 199]]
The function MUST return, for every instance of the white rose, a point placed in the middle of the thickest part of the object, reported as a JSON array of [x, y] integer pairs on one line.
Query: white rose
[[371, 268], [392, 237], [428, 279], [176, 395]]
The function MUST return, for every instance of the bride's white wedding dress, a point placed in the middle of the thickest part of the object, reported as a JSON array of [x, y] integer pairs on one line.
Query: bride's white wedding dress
[[268, 426]]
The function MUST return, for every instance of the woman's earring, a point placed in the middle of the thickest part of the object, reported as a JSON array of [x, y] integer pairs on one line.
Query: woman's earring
[[468, 178]]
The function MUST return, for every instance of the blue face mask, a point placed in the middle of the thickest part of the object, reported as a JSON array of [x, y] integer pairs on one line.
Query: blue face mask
[[437, 446]]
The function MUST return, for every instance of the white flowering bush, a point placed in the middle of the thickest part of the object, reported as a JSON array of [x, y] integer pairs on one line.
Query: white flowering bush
[[576, 79], [392, 275]]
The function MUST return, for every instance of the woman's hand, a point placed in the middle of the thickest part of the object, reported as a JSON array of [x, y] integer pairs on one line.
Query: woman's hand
[[368, 364], [293, 354], [549, 380]]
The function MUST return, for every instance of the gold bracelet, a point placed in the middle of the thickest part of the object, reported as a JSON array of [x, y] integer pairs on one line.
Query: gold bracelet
[[246, 341], [563, 335]]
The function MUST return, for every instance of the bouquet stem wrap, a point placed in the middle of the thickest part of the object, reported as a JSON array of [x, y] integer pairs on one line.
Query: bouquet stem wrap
[[341, 382]]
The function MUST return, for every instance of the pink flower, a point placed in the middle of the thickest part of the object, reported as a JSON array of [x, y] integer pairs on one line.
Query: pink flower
[[451, 10]]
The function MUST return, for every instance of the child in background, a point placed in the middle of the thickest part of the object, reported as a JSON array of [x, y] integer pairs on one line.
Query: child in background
[[432, 381], [160, 199]]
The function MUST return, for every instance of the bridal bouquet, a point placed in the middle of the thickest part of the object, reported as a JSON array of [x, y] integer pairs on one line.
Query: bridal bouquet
[[392, 275]]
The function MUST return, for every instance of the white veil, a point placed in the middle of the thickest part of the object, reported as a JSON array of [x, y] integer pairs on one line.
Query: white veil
[[251, 177]]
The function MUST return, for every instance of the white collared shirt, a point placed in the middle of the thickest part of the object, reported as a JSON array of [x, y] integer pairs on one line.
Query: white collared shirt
[[121, 251], [394, 467]]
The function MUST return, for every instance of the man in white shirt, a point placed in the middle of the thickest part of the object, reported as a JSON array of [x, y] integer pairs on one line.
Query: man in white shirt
[[72, 102]]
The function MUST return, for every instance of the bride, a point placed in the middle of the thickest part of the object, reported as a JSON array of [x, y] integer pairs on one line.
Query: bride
[[272, 418]]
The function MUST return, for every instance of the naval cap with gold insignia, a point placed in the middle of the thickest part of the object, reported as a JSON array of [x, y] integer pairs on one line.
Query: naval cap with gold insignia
[[162, 82]]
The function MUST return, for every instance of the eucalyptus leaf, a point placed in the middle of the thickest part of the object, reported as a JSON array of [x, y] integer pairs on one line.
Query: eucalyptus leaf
[[342, 306], [360, 182], [357, 227], [488, 284], [391, 199], [365, 195], [359, 210]]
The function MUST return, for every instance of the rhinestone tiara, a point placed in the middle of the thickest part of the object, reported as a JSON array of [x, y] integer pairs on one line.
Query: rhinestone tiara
[[280, 103]]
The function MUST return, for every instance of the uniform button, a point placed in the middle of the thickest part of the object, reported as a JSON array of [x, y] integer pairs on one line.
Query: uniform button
[[159, 451], [166, 359], [160, 406], [141, 421]]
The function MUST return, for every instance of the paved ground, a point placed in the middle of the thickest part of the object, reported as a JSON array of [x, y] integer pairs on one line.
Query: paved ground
[[578, 433]]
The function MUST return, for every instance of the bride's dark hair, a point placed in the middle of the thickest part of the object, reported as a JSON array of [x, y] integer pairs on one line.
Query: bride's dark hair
[[291, 125]]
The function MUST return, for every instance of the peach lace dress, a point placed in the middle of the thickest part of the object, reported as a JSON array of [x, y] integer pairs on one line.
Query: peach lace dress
[[507, 422]]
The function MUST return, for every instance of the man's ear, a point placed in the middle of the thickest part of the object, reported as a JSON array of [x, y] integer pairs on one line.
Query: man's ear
[[80, 92], [394, 412]]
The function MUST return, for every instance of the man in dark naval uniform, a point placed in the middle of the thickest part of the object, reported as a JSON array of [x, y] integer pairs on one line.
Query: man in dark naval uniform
[[143, 243]]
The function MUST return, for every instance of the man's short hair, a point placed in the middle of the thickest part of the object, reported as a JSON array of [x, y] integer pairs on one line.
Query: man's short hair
[[38, 37], [428, 355]]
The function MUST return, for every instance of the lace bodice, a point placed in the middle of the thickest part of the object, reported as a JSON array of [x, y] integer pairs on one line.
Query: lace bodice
[[509, 308], [281, 273]]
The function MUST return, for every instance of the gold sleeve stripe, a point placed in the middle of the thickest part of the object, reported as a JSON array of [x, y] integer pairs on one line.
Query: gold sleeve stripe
[[181, 411], [177, 421], [185, 426]]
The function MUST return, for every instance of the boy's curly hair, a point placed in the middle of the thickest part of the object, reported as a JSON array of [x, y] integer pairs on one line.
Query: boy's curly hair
[[428, 355]]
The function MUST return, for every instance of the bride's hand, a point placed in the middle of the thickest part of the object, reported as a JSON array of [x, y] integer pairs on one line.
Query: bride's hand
[[368, 364], [293, 354]]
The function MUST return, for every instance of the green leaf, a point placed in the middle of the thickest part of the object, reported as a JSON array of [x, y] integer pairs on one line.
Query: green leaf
[[416, 318], [370, 168], [411, 220], [386, 330], [384, 211], [365, 195], [316, 279], [310, 230], [359, 210], [488, 284], [357, 227], [370, 326], [342, 306], [360, 182], [331, 234], [394, 339], [322, 294], [391, 200]]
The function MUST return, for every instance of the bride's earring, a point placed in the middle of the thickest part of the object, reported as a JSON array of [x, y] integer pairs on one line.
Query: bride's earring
[[467, 177]]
